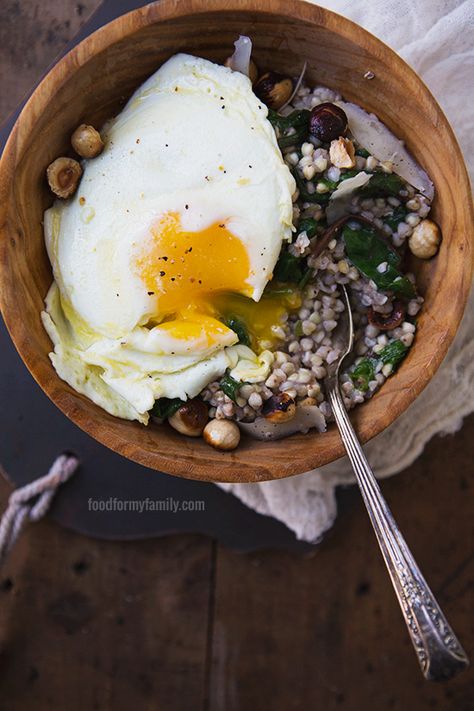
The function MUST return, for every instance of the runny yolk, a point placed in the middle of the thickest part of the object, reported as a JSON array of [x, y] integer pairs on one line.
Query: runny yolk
[[205, 273], [183, 268]]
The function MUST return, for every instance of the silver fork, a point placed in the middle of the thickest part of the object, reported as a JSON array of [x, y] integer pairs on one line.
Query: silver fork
[[438, 650]]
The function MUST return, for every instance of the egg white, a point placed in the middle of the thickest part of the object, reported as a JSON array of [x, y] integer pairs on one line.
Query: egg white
[[195, 141]]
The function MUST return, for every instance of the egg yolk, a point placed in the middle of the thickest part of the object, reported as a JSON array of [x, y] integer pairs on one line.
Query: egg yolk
[[182, 267], [206, 273]]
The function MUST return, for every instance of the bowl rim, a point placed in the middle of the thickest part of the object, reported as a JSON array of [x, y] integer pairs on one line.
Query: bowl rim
[[118, 30]]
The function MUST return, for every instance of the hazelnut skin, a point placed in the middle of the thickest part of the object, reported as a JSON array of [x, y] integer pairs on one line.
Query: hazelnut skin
[[279, 408], [63, 176], [425, 239], [222, 434], [342, 153], [190, 419], [273, 89], [327, 122], [86, 141]]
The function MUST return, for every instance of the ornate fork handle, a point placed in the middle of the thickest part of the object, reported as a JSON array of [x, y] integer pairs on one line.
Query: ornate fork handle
[[437, 647]]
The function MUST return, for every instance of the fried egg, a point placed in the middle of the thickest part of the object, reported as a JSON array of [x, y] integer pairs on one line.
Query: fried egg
[[177, 224]]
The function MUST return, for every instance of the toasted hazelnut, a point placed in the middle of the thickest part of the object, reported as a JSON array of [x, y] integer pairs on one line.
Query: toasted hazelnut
[[425, 239], [342, 153], [279, 408], [253, 71], [273, 89], [63, 176], [191, 418], [86, 141], [327, 122], [222, 434]]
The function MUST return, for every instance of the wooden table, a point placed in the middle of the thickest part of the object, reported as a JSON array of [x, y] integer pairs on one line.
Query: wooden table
[[182, 623]]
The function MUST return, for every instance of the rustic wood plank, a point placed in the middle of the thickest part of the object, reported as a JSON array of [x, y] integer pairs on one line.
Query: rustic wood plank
[[88, 624], [326, 632], [32, 33]]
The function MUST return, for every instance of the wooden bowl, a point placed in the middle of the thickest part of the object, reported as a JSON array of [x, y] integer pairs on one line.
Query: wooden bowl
[[91, 84]]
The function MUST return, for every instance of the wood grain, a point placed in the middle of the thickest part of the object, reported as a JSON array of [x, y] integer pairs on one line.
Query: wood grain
[[92, 82], [95, 625], [41, 31], [129, 621], [326, 632]]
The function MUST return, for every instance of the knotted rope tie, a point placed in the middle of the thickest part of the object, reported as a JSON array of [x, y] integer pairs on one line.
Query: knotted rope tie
[[31, 502]]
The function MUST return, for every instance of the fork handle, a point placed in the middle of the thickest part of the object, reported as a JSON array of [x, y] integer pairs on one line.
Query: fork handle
[[438, 650]]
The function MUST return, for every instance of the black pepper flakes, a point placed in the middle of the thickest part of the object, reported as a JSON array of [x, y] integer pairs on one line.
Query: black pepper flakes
[[162, 273], [151, 293]]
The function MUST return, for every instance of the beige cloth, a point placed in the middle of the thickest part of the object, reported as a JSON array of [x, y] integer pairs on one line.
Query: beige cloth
[[436, 37]]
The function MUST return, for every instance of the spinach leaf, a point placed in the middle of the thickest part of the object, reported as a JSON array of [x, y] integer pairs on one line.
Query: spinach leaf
[[393, 353], [363, 373], [299, 329], [349, 174], [382, 185], [330, 184], [320, 198], [397, 215], [288, 268], [295, 139], [366, 250], [229, 386], [164, 407], [308, 225], [297, 118], [362, 152], [306, 278], [239, 328]]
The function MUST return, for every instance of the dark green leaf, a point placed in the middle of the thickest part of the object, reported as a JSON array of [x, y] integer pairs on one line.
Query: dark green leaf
[[308, 225], [299, 120], [362, 152], [382, 185], [349, 174], [397, 215], [296, 119], [229, 386], [288, 268], [307, 276], [320, 198], [393, 353], [366, 250], [239, 328], [330, 184], [363, 373], [295, 139], [165, 407]]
